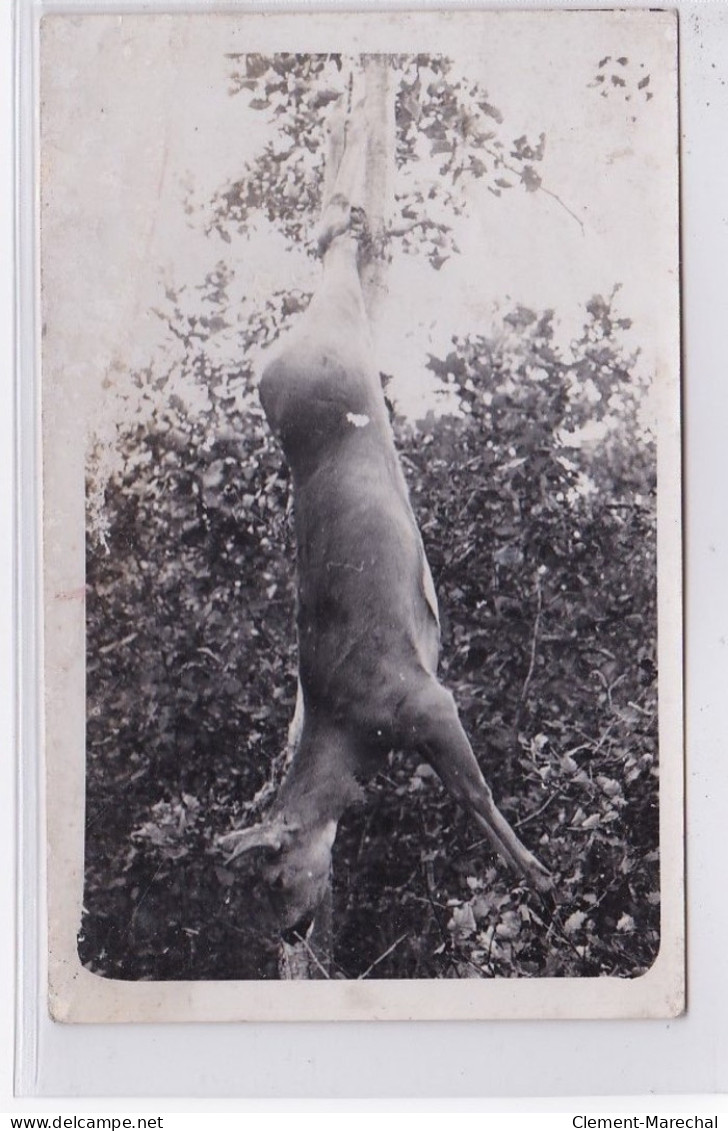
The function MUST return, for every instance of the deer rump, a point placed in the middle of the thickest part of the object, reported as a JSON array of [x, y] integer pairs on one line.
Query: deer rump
[[367, 620]]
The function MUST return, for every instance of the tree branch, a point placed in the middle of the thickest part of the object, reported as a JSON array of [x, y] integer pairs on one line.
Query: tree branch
[[537, 813], [381, 958], [292, 962], [532, 662], [541, 187]]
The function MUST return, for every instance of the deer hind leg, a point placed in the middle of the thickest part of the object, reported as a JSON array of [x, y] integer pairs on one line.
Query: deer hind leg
[[429, 723]]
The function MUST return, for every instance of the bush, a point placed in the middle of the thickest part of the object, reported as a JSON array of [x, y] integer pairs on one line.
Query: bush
[[536, 502]]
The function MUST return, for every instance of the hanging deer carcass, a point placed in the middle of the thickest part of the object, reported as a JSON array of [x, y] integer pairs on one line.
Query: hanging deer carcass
[[367, 617]]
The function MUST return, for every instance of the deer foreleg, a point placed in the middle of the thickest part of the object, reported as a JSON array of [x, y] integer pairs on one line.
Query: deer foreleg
[[431, 726]]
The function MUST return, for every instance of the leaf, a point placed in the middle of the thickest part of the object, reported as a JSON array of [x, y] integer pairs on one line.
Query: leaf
[[626, 923], [481, 907], [609, 786], [256, 65], [508, 556], [491, 111], [575, 922], [462, 924], [530, 179], [509, 927]]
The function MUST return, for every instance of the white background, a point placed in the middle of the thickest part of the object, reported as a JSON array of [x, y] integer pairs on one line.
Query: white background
[[689, 1054]]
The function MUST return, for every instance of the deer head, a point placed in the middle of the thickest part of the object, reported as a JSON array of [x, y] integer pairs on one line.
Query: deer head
[[290, 866]]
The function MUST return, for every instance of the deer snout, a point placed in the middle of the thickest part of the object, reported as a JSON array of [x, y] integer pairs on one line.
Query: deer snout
[[299, 878]]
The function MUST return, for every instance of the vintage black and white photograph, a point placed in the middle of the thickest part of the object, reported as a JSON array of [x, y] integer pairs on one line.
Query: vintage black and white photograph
[[362, 510]]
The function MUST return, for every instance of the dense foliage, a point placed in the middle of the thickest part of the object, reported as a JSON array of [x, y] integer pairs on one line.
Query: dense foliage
[[534, 486], [448, 135], [540, 532]]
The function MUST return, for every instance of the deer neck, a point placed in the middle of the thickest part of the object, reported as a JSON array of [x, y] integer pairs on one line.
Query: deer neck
[[323, 779]]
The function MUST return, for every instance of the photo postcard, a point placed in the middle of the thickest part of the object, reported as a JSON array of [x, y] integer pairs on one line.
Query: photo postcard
[[361, 505]]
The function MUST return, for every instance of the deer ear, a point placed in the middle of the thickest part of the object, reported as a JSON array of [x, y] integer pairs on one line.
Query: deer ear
[[269, 838]]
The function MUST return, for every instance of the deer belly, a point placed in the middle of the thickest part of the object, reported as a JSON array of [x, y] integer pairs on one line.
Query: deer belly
[[364, 618]]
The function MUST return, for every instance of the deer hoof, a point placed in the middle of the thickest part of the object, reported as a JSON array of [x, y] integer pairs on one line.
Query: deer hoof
[[539, 877]]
